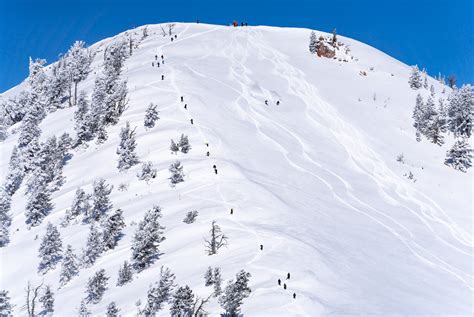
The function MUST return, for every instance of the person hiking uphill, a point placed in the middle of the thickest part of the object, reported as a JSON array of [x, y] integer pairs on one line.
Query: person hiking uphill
[[288, 276], [279, 282], [182, 98]]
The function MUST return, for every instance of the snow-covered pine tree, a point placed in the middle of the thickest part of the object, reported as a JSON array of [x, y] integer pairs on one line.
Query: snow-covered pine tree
[[96, 287], [174, 147], [459, 156], [461, 111], [38, 206], [415, 81], [177, 174], [94, 246], [217, 282], [57, 86], [235, 293], [184, 144], [5, 217], [209, 277], [419, 117], [145, 244], [82, 120], [125, 274], [434, 125], [69, 266], [28, 141], [313, 41], [102, 135], [101, 201], [50, 249], [15, 172], [77, 64], [112, 229], [190, 216], [217, 239], [151, 116], [47, 300], [126, 148], [112, 310], [432, 91], [6, 309], [83, 311], [182, 302], [38, 89], [80, 207], [160, 292], [425, 79], [147, 173]]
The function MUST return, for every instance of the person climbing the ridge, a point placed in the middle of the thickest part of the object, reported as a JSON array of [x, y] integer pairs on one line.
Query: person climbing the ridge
[[152, 64], [182, 98], [162, 77], [279, 282], [266, 102], [158, 64], [284, 286], [192, 121], [156, 57], [278, 102], [288, 276], [294, 295], [171, 39], [261, 247], [185, 106], [175, 36], [162, 57], [207, 154], [231, 211]]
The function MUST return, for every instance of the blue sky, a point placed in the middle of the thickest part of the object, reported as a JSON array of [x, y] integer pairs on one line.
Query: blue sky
[[435, 34]]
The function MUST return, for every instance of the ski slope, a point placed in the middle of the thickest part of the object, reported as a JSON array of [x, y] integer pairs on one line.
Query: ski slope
[[314, 180]]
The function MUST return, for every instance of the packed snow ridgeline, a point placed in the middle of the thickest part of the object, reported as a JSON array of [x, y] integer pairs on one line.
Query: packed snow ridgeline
[[295, 183]]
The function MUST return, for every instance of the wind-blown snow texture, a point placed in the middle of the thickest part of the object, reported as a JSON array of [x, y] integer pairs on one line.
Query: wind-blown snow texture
[[314, 179]]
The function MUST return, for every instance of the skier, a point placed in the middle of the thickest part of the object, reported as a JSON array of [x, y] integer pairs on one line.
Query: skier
[[175, 36], [215, 171], [182, 98], [266, 102], [162, 77], [185, 106], [231, 211], [261, 247], [162, 58], [278, 102], [171, 39], [207, 154], [284, 286], [192, 122], [294, 295], [156, 57], [152, 64], [288, 276], [158, 64], [279, 282], [207, 144]]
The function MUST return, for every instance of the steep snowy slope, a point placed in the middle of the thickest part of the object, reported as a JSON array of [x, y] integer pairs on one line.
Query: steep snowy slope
[[314, 180]]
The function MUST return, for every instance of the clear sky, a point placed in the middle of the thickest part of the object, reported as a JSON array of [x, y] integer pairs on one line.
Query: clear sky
[[435, 34]]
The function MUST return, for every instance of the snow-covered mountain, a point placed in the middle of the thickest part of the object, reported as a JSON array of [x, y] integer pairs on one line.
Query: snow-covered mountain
[[315, 180]]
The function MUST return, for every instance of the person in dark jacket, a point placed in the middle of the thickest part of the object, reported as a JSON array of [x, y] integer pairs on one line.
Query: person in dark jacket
[[261, 247], [279, 282], [288, 276], [182, 98], [294, 295], [162, 77], [284, 286]]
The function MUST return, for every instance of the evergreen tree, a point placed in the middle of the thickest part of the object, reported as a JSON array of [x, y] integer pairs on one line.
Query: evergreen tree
[[435, 122], [425, 79], [415, 81], [149, 234], [432, 91], [38, 89], [126, 148], [217, 239], [38, 206], [101, 201], [209, 277], [190, 217], [461, 111], [182, 302], [313, 41], [57, 86], [102, 135], [78, 60], [15, 172], [69, 266], [151, 116], [459, 156], [177, 174], [5, 217], [235, 293], [419, 117], [147, 173], [50, 249], [112, 310], [28, 143], [47, 300], [125, 274], [184, 144], [82, 120], [94, 246], [112, 232], [5, 307], [217, 279], [96, 287], [80, 206], [83, 310], [174, 147], [160, 292]]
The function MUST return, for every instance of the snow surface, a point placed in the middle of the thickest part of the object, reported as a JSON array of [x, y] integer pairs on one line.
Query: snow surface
[[314, 179]]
